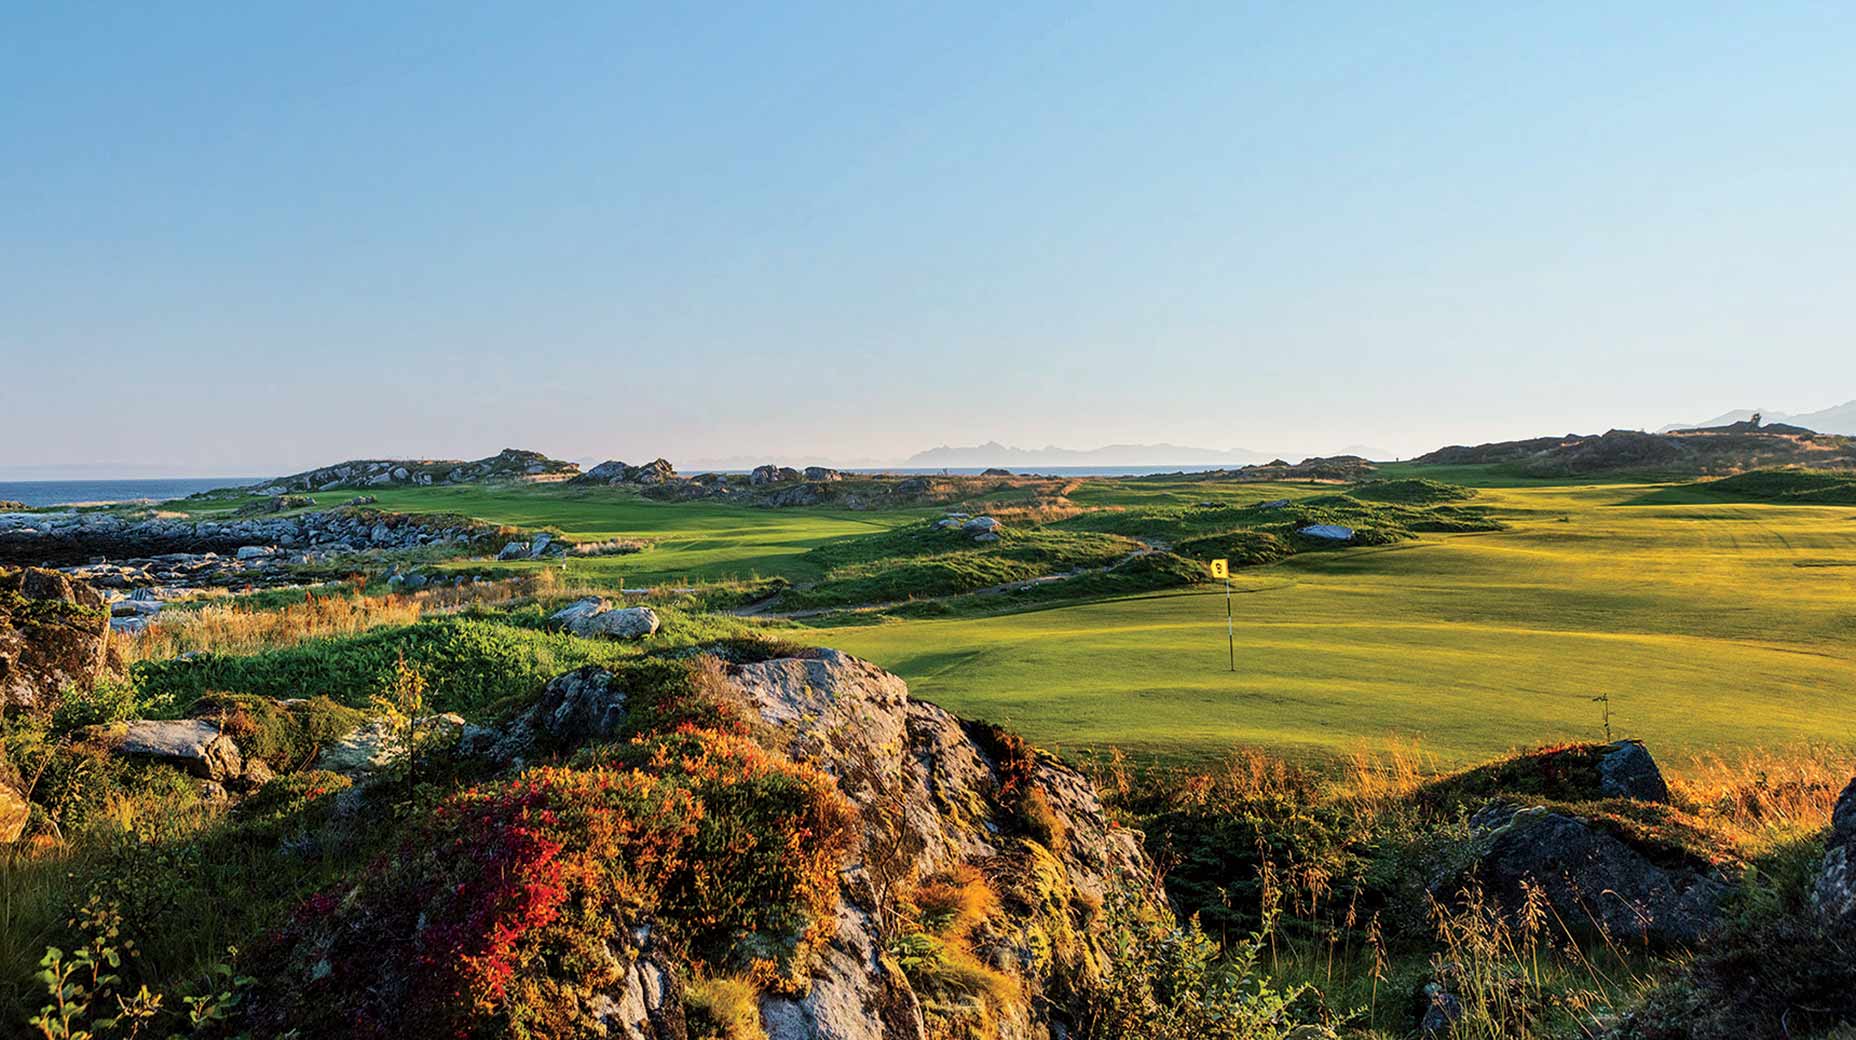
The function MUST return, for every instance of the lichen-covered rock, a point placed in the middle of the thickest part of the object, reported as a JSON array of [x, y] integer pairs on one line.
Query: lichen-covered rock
[[647, 1004], [620, 623], [255, 775], [1835, 892], [1594, 880], [194, 745], [580, 706], [936, 794], [854, 993], [1438, 1009], [371, 748], [54, 633]]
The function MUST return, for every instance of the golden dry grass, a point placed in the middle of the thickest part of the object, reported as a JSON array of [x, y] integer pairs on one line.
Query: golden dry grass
[[227, 628]]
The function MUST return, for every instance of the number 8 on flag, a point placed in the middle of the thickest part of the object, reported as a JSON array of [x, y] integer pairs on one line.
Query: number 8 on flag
[[1221, 568]]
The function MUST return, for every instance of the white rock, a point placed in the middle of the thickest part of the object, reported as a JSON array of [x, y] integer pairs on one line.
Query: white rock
[[578, 610], [195, 745], [623, 623]]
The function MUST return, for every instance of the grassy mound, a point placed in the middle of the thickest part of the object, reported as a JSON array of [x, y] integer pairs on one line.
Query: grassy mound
[[1788, 486], [1259, 534], [922, 560], [1415, 491], [284, 735]]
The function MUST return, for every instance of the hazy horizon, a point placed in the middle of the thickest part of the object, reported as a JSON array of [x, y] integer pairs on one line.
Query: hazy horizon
[[265, 240]]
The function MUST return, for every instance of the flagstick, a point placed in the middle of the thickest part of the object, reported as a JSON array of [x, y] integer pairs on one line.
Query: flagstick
[[1230, 631]]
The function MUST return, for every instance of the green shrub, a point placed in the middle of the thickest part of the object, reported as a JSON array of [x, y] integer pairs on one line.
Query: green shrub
[[283, 735], [107, 700], [470, 663], [294, 804], [1166, 982]]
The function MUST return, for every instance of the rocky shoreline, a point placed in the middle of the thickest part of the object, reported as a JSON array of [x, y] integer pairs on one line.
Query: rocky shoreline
[[73, 538]]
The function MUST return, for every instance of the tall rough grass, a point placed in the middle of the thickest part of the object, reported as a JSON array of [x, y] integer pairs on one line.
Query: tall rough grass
[[231, 627], [227, 628]]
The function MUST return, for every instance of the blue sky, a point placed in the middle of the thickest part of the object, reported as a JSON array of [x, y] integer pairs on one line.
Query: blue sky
[[245, 240]]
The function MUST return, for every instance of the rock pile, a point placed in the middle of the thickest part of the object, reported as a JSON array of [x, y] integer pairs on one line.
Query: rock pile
[[613, 472], [174, 544], [980, 528]]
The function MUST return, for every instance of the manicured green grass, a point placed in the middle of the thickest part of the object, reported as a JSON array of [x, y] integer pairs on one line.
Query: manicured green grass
[[1710, 626]]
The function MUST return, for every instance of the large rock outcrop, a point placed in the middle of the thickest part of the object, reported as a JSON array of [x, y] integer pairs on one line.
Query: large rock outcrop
[[935, 794], [54, 633], [1595, 880]]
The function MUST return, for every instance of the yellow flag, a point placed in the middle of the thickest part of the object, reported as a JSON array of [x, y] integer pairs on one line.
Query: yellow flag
[[1221, 568]]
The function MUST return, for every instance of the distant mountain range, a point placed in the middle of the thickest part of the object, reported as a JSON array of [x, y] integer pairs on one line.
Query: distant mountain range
[[995, 454], [1838, 419]]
